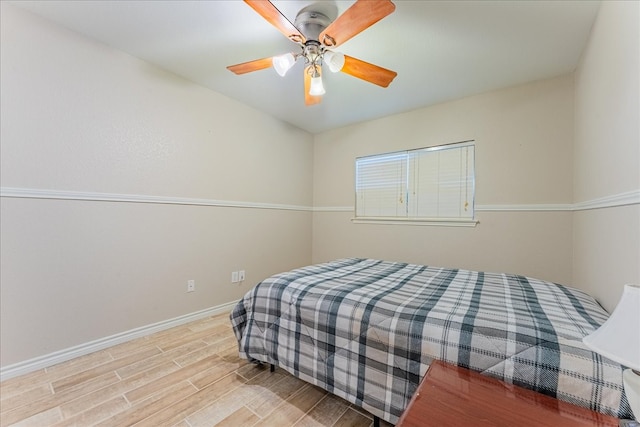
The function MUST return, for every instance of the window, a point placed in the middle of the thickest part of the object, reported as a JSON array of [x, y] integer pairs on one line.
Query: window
[[433, 184]]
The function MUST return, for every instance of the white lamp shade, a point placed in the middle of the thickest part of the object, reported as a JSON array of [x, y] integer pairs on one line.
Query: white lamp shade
[[618, 338], [316, 88], [283, 63], [335, 60]]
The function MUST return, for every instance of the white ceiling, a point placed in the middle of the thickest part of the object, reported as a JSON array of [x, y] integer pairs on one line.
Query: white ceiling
[[441, 50]]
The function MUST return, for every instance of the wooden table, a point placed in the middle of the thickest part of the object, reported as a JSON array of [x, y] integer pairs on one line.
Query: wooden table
[[452, 396]]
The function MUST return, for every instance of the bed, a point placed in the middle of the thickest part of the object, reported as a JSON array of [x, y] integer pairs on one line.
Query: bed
[[366, 330]]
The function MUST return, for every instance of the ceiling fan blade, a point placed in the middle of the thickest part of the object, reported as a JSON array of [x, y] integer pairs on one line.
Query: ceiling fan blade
[[268, 11], [360, 16], [247, 67], [366, 71], [310, 99]]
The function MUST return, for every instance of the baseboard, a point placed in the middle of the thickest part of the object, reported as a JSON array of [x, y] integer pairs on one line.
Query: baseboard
[[54, 358]]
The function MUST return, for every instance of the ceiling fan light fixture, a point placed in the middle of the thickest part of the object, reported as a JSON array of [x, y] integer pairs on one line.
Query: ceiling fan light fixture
[[283, 63], [316, 29], [335, 60], [316, 88]]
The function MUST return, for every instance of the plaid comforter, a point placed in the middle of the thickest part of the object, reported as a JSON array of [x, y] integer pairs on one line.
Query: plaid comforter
[[366, 330]]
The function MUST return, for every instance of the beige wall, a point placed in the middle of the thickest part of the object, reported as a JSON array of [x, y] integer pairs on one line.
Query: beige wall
[[81, 118], [524, 154], [606, 242]]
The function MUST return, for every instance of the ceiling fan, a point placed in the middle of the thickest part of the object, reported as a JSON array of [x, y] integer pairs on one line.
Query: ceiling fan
[[314, 32]]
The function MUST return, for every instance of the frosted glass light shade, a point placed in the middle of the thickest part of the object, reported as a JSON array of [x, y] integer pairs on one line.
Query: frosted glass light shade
[[335, 60], [316, 88], [283, 63], [618, 338]]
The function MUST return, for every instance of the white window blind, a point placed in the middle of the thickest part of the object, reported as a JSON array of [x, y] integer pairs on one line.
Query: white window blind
[[429, 183]]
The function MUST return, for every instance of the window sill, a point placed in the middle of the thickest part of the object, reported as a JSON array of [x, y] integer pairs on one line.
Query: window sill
[[442, 222]]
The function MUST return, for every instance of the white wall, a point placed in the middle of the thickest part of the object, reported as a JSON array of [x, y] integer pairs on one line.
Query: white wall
[[524, 149], [81, 120], [606, 242]]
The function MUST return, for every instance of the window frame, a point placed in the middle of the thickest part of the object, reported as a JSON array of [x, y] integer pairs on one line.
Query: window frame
[[419, 220]]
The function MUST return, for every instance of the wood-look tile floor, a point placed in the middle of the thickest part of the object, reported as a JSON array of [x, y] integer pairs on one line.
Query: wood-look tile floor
[[186, 376]]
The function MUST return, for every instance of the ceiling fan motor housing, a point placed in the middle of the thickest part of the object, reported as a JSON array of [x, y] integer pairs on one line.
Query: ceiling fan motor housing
[[311, 24]]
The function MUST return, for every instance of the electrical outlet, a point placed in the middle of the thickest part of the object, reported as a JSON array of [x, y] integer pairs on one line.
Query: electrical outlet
[[234, 277], [241, 276], [191, 285]]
